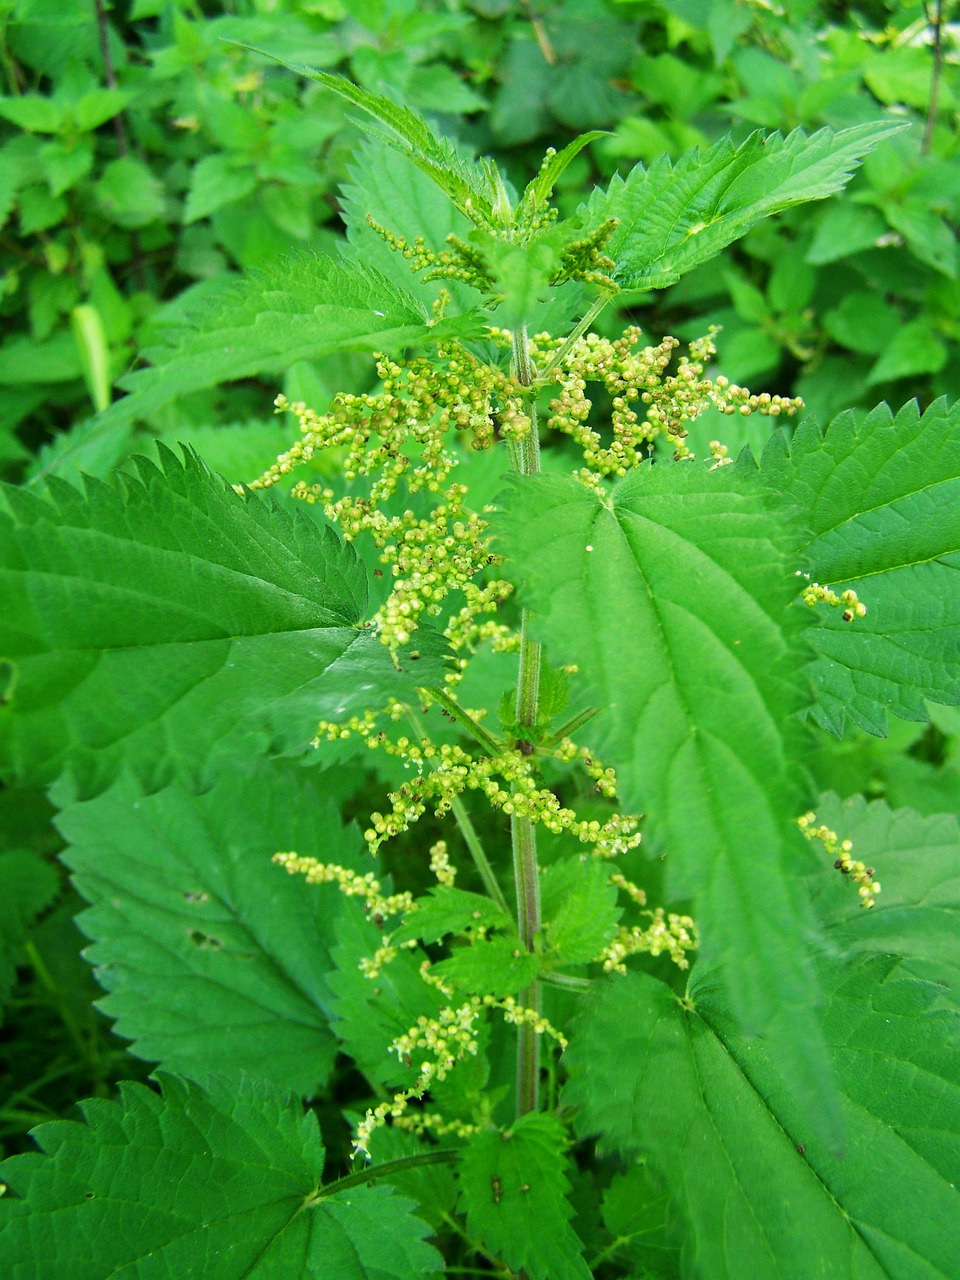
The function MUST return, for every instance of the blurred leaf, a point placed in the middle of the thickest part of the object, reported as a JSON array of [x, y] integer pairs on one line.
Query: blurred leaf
[[913, 349], [215, 181], [129, 193]]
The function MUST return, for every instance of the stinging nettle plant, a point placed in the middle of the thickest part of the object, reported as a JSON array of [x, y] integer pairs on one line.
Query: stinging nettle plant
[[581, 666]]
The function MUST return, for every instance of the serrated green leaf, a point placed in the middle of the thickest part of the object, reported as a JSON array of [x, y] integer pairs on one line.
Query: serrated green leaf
[[673, 599], [28, 884], [449, 910], [385, 184], [579, 909], [214, 958], [464, 182], [540, 189], [513, 1189], [876, 497], [496, 966], [917, 912], [301, 309], [221, 1181], [175, 625], [675, 216], [760, 1193], [638, 1215]]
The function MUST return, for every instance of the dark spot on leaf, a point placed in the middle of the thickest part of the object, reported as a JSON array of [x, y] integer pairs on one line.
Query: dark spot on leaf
[[204, 940]]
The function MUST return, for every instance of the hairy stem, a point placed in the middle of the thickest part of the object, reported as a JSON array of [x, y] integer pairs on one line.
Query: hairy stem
[[464, 719], [523, 832]]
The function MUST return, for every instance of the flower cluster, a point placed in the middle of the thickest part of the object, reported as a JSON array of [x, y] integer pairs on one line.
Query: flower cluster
[[673, 934], [647, 400], [507, 778], [398, 448], [350, 883], [441, 1042], [840, 851], [814, 593]]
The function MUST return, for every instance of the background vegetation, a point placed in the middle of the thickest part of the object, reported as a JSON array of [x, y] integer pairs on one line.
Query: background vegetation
[[145, 163]]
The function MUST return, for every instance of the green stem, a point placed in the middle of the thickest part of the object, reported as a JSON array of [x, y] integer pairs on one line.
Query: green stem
[[386, 1170], [523, 831], [462, 717], [480, 859], [560, 355], [459, 810], [935, 22], [567, 730]]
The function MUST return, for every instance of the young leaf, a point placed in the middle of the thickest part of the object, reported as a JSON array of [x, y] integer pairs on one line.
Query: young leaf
[[448, 910], [539, 190], [673, 601], [579, 908], [496, 966], [301, 309], [219, 1181], [513, 1189], [215, 959], [465, 183], [675, 216], [875, 496], [739, 1156], [917, 913], [174, 622]]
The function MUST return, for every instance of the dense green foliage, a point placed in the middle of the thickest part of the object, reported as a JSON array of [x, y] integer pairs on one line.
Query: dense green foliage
[[523, 841]]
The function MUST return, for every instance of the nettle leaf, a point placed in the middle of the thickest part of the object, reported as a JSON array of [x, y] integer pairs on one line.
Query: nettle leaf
[[301, 309], [737, 1150], [222, 1180], [579, 908], [497, 966], [673, 599], [444, 910], [214, 958], [513, 1189], [464, 182], [875, 497], [641, 1219], [173, 625], [917, 913], [28, 884], [385, 184], [674, 216]]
